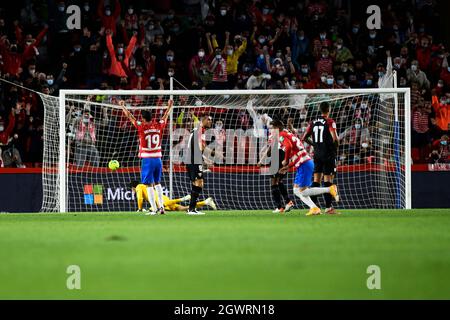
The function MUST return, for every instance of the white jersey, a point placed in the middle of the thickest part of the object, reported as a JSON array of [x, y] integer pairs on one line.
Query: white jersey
[[259, 121]]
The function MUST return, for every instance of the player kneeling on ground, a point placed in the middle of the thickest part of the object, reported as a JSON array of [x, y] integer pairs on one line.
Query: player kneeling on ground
[[296, 156], [169, 204]]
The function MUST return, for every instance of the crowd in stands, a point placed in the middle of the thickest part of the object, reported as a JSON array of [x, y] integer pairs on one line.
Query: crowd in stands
[[240, 44]]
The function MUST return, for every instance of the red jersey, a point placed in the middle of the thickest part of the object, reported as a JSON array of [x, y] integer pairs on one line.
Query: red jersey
[[150, 138], [295, 152]]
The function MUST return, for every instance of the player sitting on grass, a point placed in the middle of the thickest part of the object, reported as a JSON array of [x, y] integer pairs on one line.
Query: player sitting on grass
[[169, 204], [296, 156]]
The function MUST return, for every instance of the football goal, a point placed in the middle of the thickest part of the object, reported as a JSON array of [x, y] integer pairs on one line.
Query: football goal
[[85, 129]]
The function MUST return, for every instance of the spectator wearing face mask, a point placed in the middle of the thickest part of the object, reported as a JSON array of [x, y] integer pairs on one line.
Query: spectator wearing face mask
[[420, 128], [423, 53], [300, 45], [85, 140], [108, 17], [325, 63], [120, 61], [218, 67], [385, 75], [442, 112], [353, 138], [263, 16], [131, 19], [198, 68], [13, 60], [343, 54], [355, 37], [167, 67], [9, 154], [219, 142], [233, 54], [440, 153], [138, 80], [324, 40], [414, 74]]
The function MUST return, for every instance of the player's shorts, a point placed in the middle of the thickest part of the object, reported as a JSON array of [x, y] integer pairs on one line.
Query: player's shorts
[[325, 166], [304, 175], [151, 170], [195, 171]]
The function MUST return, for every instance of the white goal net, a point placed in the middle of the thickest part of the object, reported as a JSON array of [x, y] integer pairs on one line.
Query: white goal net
[[84, 130]]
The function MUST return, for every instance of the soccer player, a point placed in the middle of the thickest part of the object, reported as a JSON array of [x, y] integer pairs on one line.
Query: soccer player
[[150, 138], [169, 204], [278, 188], [194, 160], [321, 134], [297, 157]]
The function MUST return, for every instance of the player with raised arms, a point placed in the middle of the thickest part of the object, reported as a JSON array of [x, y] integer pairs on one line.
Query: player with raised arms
[[194, 159], [296, 156], [150, 132], [321, 134]]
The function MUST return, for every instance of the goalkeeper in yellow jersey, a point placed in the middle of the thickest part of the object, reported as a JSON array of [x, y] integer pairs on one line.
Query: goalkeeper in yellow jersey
[[169, 204]]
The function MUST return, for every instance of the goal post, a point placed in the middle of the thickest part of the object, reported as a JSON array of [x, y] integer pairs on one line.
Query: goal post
[[374, 159]]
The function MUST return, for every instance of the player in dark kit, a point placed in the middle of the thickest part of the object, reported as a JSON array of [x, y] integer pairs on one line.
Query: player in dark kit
[[321, 134], [194, 160]]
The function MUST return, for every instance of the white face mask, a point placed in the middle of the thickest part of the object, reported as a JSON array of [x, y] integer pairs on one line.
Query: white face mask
[[357, 126], [365, 145], [130, 11], [223, 12], [414, 67], [201, 54], [2, 128], [170, 74]]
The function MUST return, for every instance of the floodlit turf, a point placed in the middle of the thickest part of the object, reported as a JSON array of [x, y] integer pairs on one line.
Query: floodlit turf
[[226, 255]]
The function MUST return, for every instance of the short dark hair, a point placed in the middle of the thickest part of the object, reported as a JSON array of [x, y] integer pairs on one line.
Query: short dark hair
[[277, 124], [147, 115], [134, 183], [324, 107]]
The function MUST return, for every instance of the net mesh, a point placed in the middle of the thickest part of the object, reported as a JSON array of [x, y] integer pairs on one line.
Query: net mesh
[[371, 160]]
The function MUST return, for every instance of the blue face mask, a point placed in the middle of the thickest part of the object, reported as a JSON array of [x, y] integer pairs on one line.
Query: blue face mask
[[369, 82], [330, 81], [444, 143]]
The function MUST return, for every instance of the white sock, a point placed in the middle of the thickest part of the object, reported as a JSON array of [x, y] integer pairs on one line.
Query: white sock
[[306, 200], [315, 191], [151, 198], [159, 193]]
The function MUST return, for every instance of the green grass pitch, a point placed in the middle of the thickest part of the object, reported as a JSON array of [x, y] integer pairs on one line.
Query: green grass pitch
[[226, 255]]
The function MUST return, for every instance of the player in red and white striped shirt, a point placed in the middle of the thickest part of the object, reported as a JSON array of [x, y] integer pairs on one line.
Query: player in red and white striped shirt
[[296, 156], [150, 137]]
